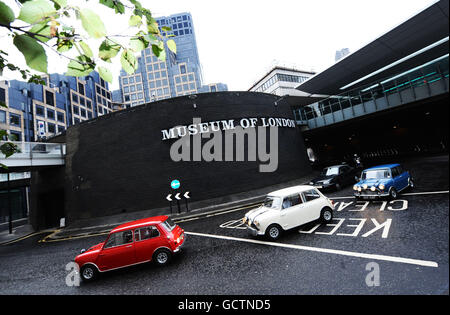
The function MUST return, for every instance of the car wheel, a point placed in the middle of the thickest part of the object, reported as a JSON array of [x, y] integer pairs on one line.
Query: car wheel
[[393, 193], [338, 186], [88, 273], [411, 183], [162, 256], [326, 215], [273, 232]]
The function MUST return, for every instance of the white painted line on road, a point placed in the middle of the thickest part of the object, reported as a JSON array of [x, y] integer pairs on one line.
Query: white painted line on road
[[405, 194], [418, 262]]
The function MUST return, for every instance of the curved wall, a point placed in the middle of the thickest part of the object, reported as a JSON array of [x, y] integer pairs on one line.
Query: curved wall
[[122, 161]]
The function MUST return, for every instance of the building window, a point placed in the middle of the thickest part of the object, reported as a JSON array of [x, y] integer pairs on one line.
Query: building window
[[50, 114], [75, 98], [213, 88], [76, 110], [83, 112], [82, 101], [51, 128], [182, 69], [80, 88], [15, 136], [49, 98], [131, 80], [40, 111], [2, 117], [60, 117], [61, 128], [88, 104], [2, 95]]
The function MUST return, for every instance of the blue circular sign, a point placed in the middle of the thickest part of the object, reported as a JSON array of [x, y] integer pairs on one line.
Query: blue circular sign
[[175, 184]]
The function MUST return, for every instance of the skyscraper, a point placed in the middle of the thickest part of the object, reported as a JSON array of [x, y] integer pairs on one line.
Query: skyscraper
[[341, 54], [180, 74]]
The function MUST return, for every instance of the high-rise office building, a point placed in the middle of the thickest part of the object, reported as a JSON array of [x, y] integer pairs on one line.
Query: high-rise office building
[[35, 111], [180, 74], [341, 54]]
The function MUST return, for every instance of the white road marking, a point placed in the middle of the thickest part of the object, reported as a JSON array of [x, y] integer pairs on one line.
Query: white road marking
[[411, 261], [233, 224]]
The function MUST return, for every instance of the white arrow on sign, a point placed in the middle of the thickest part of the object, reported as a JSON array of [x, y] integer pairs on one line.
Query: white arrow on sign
[[168, 197], [178, 196], [186, 195]]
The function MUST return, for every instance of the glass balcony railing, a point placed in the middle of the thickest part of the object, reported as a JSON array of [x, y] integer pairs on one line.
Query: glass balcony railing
[[418, 83]]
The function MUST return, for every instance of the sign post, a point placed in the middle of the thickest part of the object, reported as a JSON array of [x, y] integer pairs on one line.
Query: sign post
[[175, 184], [186, 197]]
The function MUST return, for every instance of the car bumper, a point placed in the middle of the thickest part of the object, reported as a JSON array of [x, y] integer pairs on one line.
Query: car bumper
[[176, 250], [253, 231], [371, 195]]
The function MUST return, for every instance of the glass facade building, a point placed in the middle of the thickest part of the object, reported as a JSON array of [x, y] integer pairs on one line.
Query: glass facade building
[[180, 74], [35, 111]]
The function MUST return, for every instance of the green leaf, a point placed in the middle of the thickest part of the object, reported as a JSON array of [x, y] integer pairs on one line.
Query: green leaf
[[42, 29], [166, 28], [58, 4], [159, 52], [105, 74], [64, 45], [108, 50], [135, 20], [34, 11], [33, 52], [138, 43], [152, 26], [6, 14], [87, 51], [80, 67], [172, 46], [92, 23], [128, 61], [116, 5]]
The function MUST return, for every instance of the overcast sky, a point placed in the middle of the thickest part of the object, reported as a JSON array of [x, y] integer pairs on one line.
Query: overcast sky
[[239, 40]]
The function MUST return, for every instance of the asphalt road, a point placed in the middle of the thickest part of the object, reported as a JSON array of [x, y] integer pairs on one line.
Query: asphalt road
[[405, 241]]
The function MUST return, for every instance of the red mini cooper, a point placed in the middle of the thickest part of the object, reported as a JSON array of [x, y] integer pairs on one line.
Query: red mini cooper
[[152, 239]]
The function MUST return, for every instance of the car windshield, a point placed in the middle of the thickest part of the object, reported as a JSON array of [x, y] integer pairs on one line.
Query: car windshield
[[272, 202], [330, 171], [376, 174], [168, 225]]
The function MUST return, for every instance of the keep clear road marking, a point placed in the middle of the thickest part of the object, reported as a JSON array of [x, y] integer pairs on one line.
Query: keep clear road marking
[[418, 262]]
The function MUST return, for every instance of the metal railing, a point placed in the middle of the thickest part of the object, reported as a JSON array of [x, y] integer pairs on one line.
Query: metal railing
[[35, 154], [422, 82]]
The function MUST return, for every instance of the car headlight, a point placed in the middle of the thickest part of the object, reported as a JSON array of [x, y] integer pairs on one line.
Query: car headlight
[[326, 181], [244, 219], [372, 188], [381, 186], [355, 187], [256, 223], [311, 183], [365, 186], [359, 188]]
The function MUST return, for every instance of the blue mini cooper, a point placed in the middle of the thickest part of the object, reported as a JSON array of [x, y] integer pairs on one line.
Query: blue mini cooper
[[382, 181]]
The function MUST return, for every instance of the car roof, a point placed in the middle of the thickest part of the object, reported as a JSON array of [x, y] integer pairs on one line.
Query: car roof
[[290, 190], [383, 166], [141, 222]]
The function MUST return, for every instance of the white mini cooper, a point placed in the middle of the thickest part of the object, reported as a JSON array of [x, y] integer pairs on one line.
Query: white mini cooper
[[288, 208]]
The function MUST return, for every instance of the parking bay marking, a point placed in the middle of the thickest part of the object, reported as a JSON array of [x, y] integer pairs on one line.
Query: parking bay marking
[[403, 260]]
